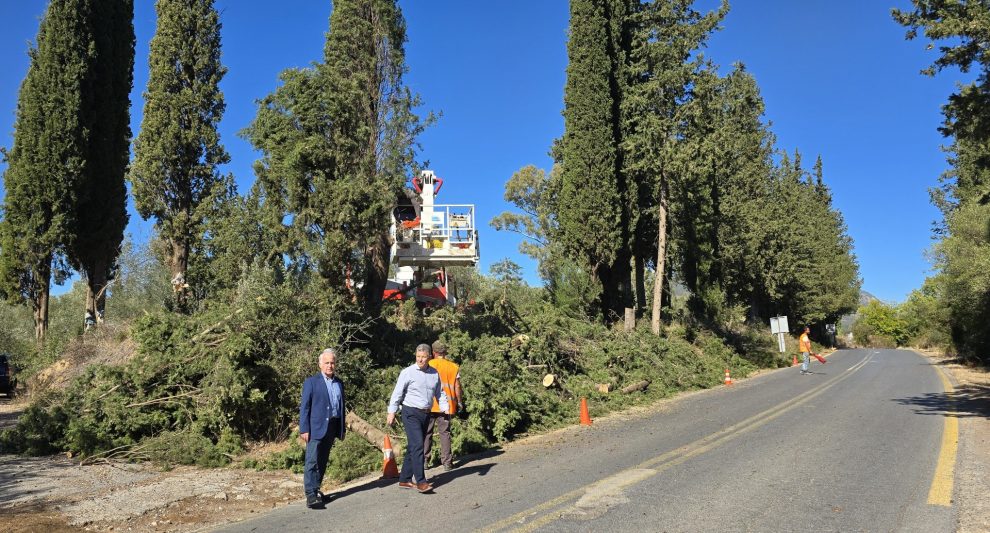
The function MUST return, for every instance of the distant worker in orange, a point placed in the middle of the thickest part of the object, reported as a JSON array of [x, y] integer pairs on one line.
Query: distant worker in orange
[[450, 382], [804, 346]]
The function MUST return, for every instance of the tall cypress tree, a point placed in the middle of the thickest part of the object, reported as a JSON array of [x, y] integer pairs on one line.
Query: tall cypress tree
[[592, 212], [101, 210], [176, 154], [364, 59], [47, 160], [339, 142], [722, 188]]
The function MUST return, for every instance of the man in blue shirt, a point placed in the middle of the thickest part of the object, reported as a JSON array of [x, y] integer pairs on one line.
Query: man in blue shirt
[[418, 385], [321, 420]]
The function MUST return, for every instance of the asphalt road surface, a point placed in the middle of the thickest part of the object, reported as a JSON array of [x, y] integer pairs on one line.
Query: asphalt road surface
[[861, 444]]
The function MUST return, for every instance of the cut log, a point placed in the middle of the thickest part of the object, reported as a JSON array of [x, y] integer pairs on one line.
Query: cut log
[[370, 433], [636, 386], [548, 380]]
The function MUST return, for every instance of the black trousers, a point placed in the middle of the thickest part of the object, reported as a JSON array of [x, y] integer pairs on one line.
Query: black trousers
[[415, 422], [317, 457]]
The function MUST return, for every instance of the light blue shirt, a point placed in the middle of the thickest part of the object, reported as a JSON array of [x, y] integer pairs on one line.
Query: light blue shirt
[[417, 388], [333, 389]]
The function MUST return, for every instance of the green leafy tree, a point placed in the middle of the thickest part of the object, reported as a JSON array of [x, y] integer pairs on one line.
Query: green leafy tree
[[101, 206], [530, 190], [339, 143], [926, 315], [879, 325], [174, 175], [963, 30], [964, 262], [47, 160], [568, 283]]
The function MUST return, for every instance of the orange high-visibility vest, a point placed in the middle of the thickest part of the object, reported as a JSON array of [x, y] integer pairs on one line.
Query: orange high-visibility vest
[[448, 371], [804, 344]]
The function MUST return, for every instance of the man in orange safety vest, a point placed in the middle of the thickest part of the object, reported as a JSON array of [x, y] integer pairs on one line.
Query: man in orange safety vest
[[804, 346], [450, 382]]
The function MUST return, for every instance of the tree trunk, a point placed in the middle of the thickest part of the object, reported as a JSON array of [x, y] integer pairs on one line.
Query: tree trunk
[[40, 303], [640, 284], [96, 294], [636, 386], [370, 433], [661, 256], [629, 323], [376, 260], [628, 298], [178, 266]]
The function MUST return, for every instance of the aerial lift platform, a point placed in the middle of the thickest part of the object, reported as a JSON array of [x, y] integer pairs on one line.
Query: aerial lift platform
[[426, 238]]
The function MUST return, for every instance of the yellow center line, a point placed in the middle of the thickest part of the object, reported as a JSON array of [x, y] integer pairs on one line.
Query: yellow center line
[[940, 492], [662, 462]]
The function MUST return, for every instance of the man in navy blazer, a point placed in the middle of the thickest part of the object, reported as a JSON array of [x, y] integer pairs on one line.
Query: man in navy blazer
[[321, 420]]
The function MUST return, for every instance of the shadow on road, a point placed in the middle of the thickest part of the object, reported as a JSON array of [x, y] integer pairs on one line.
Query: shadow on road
[[447, 477], [438, 479], [964, 402]]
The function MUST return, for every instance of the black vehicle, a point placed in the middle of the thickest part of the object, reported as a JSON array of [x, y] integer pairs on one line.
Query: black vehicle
[[6, 383]]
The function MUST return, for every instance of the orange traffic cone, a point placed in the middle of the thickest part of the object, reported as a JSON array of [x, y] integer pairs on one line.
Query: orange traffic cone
[[389, 470], [585, 417], [794, 362], [728, 380]]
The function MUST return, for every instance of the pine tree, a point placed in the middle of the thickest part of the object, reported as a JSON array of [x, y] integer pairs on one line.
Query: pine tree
[[101, 210], [176, 154], [47, 161], [339, 143], [664, 36], [967, 114]]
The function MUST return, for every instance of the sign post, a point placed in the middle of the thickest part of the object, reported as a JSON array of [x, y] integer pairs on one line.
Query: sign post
[[778, 327]]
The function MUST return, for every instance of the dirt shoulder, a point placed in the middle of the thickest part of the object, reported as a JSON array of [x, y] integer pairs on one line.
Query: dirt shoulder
[[59, 494], [56, 493]]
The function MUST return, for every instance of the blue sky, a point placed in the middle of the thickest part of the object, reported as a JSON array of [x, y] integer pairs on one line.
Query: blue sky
[[838, 79]]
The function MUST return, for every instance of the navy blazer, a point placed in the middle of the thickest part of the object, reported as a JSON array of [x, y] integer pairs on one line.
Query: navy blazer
[[314, 409]]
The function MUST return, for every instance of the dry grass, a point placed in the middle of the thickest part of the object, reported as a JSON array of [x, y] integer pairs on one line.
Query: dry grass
[[110, 344]]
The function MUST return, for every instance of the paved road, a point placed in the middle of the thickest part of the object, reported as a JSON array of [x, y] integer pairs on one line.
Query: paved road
[[853, 447]]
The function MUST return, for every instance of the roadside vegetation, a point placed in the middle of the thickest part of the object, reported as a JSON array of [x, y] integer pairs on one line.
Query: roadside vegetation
[[951, 310], [668, 231]]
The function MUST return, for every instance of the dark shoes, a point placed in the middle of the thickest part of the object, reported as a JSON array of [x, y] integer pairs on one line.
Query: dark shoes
[[422, 486], [314, 501]]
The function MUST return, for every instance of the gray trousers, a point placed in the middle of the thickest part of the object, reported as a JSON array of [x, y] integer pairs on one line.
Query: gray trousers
[[440, 422], [804, 359]]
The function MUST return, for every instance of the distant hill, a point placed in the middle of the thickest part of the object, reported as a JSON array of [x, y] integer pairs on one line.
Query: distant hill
[[846, 322], [865, 298]]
